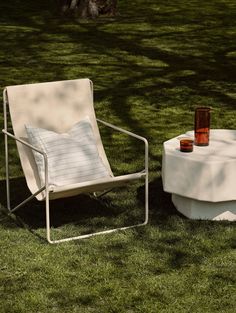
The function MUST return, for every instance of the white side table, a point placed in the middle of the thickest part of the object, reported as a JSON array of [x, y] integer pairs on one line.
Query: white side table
[[202, 182]]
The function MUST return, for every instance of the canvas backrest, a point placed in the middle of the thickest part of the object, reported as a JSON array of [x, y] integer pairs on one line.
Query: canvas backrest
[[55, 106]]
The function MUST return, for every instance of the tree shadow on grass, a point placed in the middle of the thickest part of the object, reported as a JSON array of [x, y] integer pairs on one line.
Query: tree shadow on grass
[[63, 211], [161, 207], [82, 210]]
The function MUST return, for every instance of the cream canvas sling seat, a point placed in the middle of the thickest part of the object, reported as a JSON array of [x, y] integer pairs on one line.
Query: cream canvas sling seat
[[58, 106]]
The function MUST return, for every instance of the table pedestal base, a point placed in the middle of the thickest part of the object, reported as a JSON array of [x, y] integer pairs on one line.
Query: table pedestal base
[[204, 210]]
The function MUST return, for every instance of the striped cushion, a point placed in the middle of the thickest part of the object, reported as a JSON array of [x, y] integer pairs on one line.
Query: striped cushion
[[72, 157]]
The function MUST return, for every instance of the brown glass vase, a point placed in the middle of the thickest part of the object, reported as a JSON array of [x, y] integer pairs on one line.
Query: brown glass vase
[[202, 126]]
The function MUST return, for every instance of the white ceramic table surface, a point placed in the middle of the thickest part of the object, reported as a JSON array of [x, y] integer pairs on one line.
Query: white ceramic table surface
[[208, 173]]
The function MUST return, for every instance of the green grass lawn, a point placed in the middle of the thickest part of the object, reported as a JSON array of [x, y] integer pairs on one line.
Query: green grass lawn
[[151, 66]]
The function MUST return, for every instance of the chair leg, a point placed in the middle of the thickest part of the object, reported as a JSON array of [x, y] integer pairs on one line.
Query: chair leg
[[7, 174], [48, 227], [146, 200]]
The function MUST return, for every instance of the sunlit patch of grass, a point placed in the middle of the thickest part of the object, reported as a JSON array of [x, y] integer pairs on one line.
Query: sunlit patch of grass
[[231, 54]]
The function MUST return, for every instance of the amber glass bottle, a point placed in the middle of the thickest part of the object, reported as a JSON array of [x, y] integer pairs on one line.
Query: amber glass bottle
[[202, 126]]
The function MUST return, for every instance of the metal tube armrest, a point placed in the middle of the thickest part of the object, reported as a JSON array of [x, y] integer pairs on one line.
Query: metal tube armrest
[[46, 186], [24, 142], [132, 135], [123, 131]]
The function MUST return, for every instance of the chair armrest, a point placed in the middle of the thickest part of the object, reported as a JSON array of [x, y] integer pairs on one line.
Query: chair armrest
[[124, 131], [33, 148], [132, 135], [24, 142]]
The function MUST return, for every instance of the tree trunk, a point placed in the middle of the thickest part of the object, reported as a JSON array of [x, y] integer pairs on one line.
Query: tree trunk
[[88, 8]]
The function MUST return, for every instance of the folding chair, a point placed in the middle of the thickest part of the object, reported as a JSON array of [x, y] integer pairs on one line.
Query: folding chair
[[58, 106]]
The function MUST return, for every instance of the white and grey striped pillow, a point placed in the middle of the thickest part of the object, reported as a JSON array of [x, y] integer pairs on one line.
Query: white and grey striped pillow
[[72, 157]]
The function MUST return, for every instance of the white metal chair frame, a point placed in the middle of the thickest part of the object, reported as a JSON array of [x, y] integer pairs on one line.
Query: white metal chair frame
[[46, 186]]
